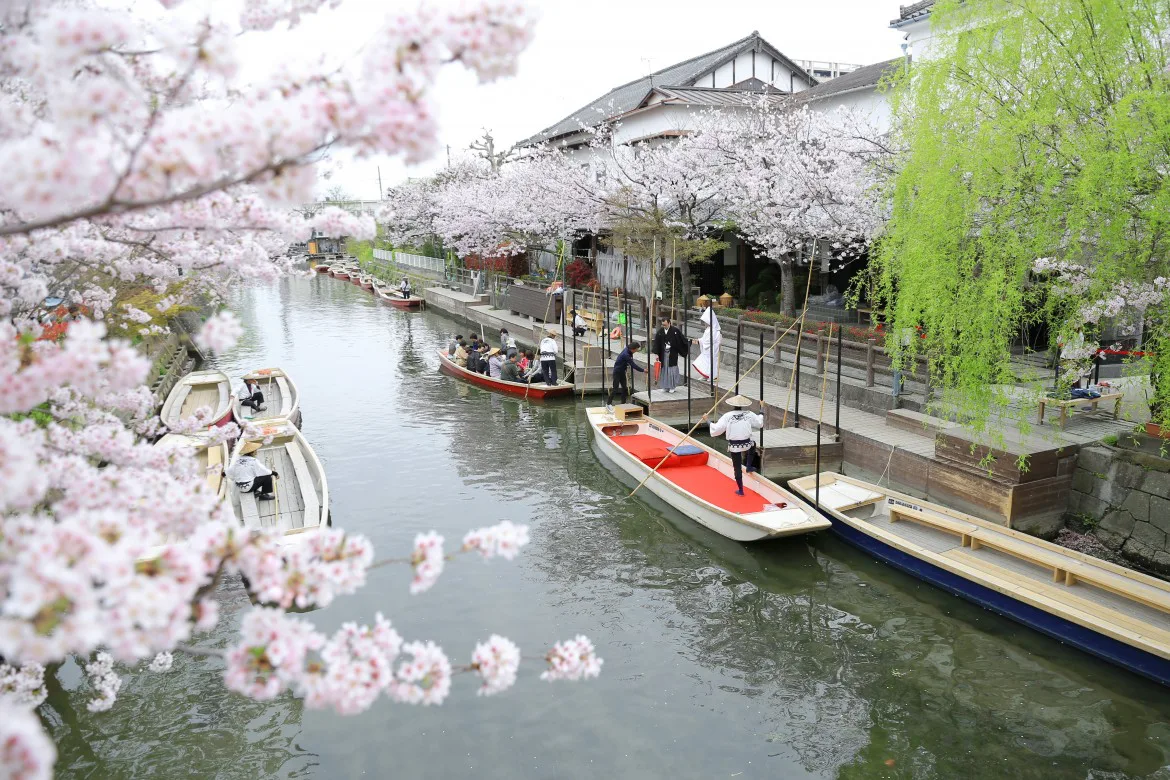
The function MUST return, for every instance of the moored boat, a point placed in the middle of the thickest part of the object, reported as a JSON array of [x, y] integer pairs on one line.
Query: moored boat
[[211, 457], [209, 388], [390, 296], [1113, 612], [281, 398], [339, 273], [322, 269], [302, 491], [367, 282], [536, 390], [697, 480]]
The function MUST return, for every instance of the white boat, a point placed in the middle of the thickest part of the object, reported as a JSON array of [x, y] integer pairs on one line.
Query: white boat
[[199, 388], [302, 492], [281, 398], [699, 481]]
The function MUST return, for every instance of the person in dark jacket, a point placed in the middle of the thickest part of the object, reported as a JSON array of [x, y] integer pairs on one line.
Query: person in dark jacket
[[669, 345], [621, 368]]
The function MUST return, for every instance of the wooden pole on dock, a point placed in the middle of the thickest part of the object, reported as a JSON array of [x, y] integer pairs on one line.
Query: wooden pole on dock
[[763, 408], [711, 359], [687, 357], [738, 346], [574, 308], [604, 341], [817, 471], [837, 425], [799, 341]]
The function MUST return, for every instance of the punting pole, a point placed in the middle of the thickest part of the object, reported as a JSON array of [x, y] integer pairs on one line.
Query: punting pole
[[838, 424], [738, 349], [817, 471], [711, 353], [574, 308], [649, 362], [604, 340], [564, 314]]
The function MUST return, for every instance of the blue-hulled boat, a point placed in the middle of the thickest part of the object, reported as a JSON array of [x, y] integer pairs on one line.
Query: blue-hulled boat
[[1113, 612]]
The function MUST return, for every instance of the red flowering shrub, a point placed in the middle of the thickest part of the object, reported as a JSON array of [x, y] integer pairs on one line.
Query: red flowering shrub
[[579, 273]]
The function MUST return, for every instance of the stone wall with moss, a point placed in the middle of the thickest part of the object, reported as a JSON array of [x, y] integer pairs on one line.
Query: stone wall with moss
[[1122, 497]]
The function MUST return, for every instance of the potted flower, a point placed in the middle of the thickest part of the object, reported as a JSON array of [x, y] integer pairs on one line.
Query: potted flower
[[728, 295]]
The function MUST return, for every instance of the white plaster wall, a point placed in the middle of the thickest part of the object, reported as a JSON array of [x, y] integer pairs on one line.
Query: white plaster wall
[[869, 103], [722, 75]]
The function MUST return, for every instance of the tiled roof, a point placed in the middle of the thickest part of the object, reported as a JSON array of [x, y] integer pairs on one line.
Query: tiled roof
[[868, 76], [629, 96], [721, 96], [912, 12]]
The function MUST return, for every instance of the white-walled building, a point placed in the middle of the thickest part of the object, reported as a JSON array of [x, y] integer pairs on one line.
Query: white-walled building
[[663, 104], [914, 23]]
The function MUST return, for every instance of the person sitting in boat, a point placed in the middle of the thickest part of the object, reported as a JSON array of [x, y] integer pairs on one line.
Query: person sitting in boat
[[453, 344], [495, 362], [548, 357], [579, 326], [404, 287], [621, 373], [250, 395], [738, 425], [510, 371], [461, 354], [526, 362], [250, 475]]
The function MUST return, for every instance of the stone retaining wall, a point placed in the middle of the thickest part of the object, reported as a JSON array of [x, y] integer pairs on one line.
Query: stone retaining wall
[[1123, 496]]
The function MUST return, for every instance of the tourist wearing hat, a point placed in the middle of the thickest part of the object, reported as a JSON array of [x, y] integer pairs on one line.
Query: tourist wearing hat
[[548, 357], [495, 363], [738, 425], [250, 475]]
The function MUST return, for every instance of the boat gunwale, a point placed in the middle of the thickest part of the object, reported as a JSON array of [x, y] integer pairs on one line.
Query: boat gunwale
[[273, 372], [313, 462], [745, 519], [218, 415]]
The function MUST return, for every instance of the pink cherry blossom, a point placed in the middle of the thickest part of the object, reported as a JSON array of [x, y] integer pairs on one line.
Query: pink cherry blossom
[[220, 333], [573, 659], [503, 539], [26, 752], [427, 560], [496, 662], [104, 681], [425, 678], [22, 686]]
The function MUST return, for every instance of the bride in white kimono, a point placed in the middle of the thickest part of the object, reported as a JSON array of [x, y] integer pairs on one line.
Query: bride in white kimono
[[707, 363]]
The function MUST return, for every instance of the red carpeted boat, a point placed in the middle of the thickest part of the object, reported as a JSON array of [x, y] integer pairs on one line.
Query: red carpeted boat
[[698, 481], [536, 390]]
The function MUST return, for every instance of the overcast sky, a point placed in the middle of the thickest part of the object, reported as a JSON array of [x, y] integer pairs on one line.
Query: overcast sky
[[583, 49]]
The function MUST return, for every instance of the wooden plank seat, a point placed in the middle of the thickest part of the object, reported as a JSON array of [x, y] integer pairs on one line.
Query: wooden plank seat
[[964, 531], [285, 396], [249, 509], [312, 513], [181, 393], [1061, 596], [1064, 404], [1069, 570], [843, 496], [215, 475], [593, 321]]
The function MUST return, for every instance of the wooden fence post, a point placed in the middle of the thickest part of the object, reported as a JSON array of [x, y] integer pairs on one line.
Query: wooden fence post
[[870, 353], [820, 351], [776, 339]]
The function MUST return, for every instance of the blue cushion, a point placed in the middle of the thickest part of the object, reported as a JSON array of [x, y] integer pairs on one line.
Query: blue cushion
[[688, 449]]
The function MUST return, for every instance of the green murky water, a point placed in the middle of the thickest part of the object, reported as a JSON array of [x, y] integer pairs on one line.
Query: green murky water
[[800, 658]]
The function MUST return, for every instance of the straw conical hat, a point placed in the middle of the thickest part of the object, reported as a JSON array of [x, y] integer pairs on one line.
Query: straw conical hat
[[494, 351], [250, 447], [739, 401]]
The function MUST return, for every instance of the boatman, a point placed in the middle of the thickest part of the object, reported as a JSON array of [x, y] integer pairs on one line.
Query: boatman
[[738, 425], [404, 287], [548, 357], [250, 396], [250, 475], [621, 373]]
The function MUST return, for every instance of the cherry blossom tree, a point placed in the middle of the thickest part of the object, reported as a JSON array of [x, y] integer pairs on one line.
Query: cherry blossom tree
[[136, 155]]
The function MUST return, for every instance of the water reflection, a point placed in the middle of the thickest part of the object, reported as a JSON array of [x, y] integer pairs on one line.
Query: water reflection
[[799, 658]]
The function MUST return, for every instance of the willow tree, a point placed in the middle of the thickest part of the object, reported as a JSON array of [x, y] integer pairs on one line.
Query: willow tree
[[1033, 186]]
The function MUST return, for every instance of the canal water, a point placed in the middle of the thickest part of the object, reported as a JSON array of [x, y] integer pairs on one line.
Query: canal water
[[790, 659]]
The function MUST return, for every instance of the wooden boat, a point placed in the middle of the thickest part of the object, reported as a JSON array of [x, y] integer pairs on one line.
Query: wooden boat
[[281, 398], [699, 481], [322, 269], [536, 390], [1115, 613], [301, 488], [211, 457], [367, 282], [199, 388], [391, 296], [339, 271]]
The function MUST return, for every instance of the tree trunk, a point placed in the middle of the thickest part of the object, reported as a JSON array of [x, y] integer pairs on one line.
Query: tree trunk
[[684, 278], [789, 305]]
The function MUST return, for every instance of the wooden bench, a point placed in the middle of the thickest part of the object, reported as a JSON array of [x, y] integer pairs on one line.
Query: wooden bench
[[215, 468], [285, 396], [1064, 404], [965, 531], [312, 516], [533, 302], [1070, 571], [593, 321], [249, 509]]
